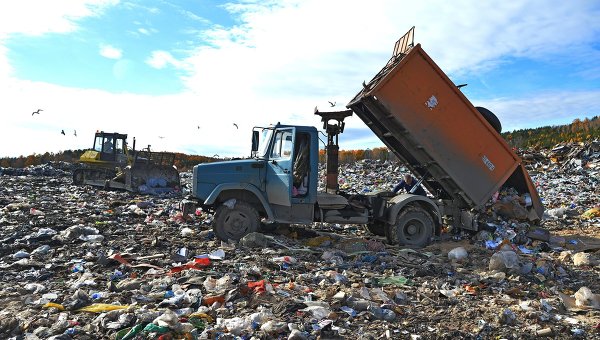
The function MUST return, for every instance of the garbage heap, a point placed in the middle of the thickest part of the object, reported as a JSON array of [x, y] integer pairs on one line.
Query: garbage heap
[[77, 262]]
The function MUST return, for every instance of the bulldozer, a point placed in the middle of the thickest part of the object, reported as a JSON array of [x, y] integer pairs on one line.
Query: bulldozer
[[111, 164]]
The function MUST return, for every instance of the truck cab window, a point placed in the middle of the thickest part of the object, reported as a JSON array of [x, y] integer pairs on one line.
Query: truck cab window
[[283, 145], [263, 144]]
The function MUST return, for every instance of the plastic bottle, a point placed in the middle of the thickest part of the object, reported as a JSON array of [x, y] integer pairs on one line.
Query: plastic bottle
[[77, 267], [349, 311], [284, 259], [358, 304], [98, 295], [382, 313], [91, 238], [21, 254], [41, 250]]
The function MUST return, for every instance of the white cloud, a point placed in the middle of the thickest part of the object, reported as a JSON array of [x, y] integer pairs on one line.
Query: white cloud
[[34, 17], [542, 109], [144, 31], [160, 59], [110, 52], [5, 68], [281, 60]]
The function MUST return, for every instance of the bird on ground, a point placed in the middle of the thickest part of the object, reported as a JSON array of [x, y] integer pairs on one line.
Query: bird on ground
[[332, 104], [234, 124], [75, 133], [38, 112], [63, 132]]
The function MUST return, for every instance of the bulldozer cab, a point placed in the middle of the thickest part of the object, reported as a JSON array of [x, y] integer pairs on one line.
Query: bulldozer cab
[[112, 147]]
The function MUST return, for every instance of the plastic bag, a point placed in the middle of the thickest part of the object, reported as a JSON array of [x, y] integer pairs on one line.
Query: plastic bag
[[502, 260], [457, 254]]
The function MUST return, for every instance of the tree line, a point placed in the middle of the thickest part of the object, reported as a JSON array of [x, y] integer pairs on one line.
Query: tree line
[[542, 137], [548, 136]]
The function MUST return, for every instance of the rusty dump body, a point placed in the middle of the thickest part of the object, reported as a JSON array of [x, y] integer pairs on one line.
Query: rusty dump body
[[418, 112]]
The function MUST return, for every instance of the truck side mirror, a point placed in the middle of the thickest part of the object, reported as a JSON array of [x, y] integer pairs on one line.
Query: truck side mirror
[[254, 141]]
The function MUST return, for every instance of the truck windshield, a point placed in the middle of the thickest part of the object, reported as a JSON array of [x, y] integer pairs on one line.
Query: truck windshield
[[263, 144]]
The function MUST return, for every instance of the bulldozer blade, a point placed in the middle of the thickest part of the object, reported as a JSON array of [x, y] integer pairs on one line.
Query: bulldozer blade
[[152, 179]]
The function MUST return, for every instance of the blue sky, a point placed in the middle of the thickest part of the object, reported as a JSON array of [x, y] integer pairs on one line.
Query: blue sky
[[187, 70]]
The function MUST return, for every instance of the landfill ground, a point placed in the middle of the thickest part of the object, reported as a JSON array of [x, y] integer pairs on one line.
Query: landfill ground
[[78, 262]]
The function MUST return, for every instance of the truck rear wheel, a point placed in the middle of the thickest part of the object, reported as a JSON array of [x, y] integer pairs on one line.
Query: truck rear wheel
[[414, 227], [236, 222]]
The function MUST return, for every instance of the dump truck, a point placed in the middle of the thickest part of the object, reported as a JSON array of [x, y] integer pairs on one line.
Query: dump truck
[[452, 147], [110, 163]]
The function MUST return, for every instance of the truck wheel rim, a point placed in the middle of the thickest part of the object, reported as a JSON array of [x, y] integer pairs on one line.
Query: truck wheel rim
[[236, 223], [413, 228]]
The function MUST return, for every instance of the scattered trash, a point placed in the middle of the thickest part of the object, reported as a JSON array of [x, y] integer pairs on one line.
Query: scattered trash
[[583, 299], [582, 259], [504, 260], [88, 263], [457, 254]]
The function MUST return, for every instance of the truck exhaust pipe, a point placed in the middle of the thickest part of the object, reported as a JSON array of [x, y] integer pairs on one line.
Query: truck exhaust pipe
[[332, 149]]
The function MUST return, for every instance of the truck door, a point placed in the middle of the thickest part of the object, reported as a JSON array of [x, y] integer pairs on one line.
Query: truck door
[[279, 169]]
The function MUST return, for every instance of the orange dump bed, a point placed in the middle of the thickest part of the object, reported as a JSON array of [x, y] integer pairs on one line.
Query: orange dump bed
[[414, 108]]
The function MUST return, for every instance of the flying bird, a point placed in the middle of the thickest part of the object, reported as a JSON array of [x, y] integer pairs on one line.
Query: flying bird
[[198, 127], [38, 112], [461, 85], [234, 124], [62, 132], [332, 104], [75, 133], [161, 137]]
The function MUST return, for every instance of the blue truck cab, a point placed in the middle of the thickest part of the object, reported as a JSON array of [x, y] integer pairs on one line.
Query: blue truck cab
[[277, 184]]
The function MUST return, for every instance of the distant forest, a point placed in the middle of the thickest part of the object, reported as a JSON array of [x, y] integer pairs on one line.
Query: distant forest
[[549, 136], [538, 138]]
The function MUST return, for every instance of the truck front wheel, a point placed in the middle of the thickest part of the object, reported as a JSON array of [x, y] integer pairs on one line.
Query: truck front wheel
[[414, 227], [233, 223]]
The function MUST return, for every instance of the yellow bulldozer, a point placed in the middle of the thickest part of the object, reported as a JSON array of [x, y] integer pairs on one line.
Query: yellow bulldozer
[[112, 164]]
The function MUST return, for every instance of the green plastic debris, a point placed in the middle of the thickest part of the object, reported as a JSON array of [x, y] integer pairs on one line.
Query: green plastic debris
[[152, 328], [197, 323], [129, 333], [393, 280]]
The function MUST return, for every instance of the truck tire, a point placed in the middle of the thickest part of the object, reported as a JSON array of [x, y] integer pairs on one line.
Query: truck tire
[[491, 118], [234, 223], [414, 227], [376, 228]]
